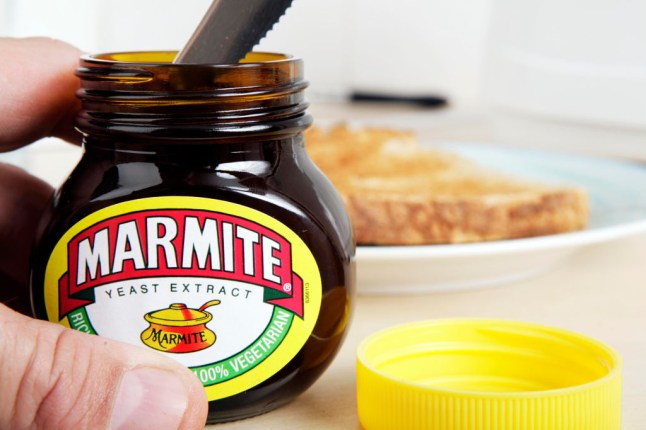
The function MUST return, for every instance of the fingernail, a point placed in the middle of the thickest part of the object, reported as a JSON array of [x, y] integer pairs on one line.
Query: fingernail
[[149, 399]]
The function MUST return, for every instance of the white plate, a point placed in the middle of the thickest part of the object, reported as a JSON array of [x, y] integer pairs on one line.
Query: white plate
[[617, 191]]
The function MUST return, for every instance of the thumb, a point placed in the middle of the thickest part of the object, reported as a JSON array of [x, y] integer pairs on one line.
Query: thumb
[[56, 378]]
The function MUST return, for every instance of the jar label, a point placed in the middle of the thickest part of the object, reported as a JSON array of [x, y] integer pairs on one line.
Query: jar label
[[228, 291]]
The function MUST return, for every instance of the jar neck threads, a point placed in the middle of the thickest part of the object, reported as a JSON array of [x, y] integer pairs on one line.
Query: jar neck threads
[[145, 96]]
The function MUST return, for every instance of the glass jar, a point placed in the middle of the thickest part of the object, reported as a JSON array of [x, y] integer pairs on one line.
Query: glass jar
[[196, 225]]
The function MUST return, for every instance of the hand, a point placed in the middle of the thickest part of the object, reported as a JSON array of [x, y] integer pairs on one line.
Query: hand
[[52, 377]]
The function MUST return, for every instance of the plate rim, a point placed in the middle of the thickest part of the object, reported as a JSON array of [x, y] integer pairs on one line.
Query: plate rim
[[538, 243]]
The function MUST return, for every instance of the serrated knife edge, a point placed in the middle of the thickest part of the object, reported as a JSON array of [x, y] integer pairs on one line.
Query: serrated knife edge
[[230, 29]]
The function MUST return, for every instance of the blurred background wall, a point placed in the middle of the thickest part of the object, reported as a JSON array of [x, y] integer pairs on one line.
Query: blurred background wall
[[408, 45], [544, 72]]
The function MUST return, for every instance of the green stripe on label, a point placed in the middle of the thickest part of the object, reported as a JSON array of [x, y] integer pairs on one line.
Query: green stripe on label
[[79, 320], [253, 355]]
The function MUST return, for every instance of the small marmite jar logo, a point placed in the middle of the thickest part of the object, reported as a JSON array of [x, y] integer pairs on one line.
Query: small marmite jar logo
[[179, 329]]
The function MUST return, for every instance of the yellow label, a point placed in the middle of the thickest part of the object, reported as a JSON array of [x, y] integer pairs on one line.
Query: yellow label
[[228, 291]]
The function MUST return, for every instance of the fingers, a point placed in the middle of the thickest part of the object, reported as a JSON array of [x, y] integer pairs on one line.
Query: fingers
[[51, 377], [37, 99], [56, 378], [24, 199], [37, 90]]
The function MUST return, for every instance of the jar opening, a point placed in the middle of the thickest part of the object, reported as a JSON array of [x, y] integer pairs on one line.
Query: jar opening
[[167, 57]]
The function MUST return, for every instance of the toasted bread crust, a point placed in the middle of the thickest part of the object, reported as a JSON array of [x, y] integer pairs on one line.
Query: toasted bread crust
[[398, 193], [391, 221]]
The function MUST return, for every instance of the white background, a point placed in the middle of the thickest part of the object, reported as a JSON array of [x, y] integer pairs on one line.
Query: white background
[[407, 45], [541, 66]]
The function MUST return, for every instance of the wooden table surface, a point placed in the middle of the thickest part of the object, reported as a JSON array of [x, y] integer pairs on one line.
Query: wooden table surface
[[600, 291]]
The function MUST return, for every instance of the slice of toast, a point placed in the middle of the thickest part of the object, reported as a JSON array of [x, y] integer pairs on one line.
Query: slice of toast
[[399, 193]]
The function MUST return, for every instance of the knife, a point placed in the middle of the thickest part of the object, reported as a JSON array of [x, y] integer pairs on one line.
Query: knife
[[230, 29]]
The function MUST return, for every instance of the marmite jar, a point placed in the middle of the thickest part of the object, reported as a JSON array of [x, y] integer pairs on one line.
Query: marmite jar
[[196, 225]]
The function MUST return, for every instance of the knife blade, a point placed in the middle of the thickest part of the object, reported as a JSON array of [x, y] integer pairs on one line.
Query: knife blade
[[230, 29]]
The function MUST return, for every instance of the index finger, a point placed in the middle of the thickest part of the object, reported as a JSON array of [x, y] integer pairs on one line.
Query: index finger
[[37, 90]]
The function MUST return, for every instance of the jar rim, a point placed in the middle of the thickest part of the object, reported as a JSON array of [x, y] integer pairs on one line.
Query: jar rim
[[165, 59]]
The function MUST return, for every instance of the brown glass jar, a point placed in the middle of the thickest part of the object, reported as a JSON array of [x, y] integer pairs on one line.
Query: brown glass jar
[[196, 225]]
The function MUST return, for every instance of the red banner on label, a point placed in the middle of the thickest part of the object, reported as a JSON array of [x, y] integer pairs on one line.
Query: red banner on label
[[179, 242]]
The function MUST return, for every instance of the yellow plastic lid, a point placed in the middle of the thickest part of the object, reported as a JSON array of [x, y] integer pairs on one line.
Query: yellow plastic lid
[[487, 375]]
